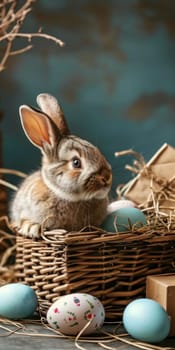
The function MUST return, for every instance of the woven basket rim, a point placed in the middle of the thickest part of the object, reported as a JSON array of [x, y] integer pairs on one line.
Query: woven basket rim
[[96, 235]]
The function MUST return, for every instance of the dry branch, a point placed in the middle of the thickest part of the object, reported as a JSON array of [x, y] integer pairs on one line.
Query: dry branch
[[12, 17]]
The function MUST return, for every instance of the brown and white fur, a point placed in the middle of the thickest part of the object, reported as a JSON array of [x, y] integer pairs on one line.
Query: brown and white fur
[[70, 191]]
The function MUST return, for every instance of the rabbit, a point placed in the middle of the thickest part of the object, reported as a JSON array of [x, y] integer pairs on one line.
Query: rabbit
[[70, 190]]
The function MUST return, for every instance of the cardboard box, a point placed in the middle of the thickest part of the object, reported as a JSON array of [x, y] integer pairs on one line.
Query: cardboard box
[[162, 289], [156, 177]]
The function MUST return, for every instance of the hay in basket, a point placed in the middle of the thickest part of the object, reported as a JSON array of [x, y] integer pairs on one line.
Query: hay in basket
[[7, 238], [110, 266]]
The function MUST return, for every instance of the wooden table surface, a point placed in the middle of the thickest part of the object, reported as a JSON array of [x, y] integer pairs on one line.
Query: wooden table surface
[[34, 336]]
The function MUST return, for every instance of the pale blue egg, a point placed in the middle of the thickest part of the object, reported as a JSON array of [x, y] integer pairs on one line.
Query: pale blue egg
[[146, 320], [17, 301], [123, 219]]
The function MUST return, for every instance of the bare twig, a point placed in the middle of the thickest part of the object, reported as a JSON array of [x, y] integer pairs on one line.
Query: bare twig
[[12, 18], [20, 51], [30, 36]]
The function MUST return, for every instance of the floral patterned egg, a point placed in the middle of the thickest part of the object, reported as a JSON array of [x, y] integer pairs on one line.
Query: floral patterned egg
[[72, 312]]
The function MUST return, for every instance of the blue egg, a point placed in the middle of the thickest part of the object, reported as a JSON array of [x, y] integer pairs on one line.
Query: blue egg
[[146, 320], [123, 219], [17, 301]]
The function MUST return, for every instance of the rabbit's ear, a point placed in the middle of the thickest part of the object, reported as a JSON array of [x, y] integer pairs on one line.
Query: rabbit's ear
[[51, 107], [38, 127]]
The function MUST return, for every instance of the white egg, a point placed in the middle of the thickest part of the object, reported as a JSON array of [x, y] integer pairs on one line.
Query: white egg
[[122, 203], [72, 312]]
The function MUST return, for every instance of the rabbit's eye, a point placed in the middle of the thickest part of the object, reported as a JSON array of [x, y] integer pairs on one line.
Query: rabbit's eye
[[76, 163]]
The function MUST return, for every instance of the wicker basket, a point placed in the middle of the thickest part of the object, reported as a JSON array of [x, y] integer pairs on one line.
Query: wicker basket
[[111, 266]]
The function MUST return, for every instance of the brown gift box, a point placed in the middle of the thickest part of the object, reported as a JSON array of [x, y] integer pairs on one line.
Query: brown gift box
[[162, 289], [156, 178]]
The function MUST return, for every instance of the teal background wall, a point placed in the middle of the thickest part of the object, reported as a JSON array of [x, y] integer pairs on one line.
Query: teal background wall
[[115, 77]]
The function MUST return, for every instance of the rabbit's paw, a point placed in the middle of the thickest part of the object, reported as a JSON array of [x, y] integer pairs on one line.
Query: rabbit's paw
[[30, 229]]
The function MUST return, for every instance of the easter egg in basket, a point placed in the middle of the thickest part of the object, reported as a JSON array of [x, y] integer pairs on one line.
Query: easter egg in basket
[[124, 219]]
